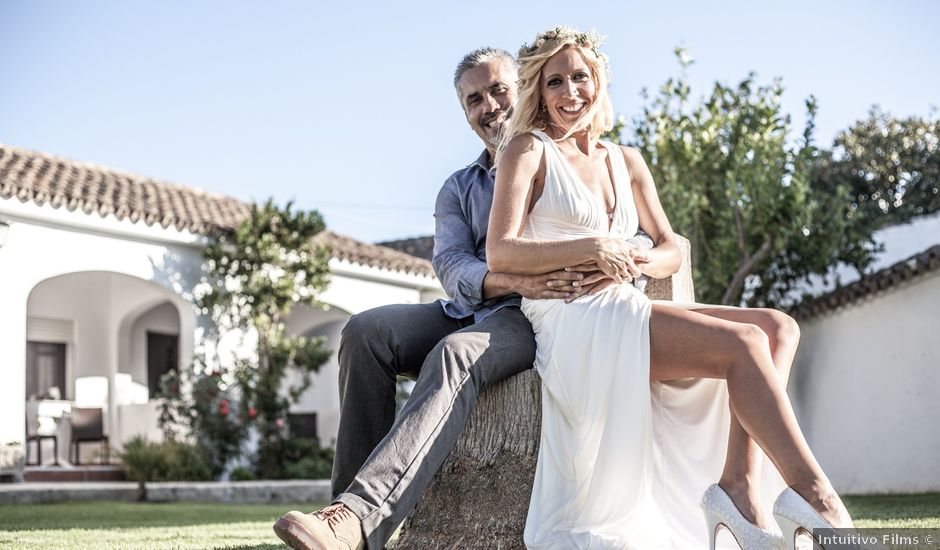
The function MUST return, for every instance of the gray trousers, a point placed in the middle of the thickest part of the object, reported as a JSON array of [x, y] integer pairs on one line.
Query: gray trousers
[[383, 464]]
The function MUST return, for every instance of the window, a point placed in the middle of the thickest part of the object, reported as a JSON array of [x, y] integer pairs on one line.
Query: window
[[45, 370], [162, 357], [303, 425]]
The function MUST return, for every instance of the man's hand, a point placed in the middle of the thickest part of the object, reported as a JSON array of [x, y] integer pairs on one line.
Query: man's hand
[[561, 284], [594, 280]]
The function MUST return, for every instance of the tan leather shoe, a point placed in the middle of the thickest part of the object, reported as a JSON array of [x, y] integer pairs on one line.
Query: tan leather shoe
[[332, 528]]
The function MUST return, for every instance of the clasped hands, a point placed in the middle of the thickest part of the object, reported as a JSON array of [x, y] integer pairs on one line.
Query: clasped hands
[[614, 262]]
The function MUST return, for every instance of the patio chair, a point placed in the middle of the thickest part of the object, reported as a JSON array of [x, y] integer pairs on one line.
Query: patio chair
[[88, 427], [39, 439], [38, 432]]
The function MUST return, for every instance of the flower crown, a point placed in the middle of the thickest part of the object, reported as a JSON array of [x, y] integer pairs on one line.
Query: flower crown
[[591, 40]]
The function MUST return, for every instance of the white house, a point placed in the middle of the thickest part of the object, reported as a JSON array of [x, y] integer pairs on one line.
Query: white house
[[866, 379], [97, 270]]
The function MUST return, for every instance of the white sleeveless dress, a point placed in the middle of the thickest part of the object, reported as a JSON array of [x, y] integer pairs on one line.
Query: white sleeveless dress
[[623, 462]]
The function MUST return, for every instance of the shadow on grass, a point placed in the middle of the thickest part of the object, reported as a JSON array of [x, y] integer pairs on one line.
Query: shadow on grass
[[117, 515]]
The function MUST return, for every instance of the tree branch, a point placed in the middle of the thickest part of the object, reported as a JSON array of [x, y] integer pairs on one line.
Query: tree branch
[[748, 263], [742, 244]]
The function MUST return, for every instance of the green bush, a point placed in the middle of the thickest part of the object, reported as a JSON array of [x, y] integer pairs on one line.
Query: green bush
[[240, 473], [185, 462], [144, 461], [301, 458]]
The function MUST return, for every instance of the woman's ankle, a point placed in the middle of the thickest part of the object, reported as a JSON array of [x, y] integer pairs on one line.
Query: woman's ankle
[[739, 483], [745, 495]]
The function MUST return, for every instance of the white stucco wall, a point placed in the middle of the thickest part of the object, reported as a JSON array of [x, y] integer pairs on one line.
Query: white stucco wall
[[355, 289], [865, 385]]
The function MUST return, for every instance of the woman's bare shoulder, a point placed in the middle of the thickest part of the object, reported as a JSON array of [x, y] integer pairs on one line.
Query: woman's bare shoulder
[[524, 143], [631, 154], [634, 159]]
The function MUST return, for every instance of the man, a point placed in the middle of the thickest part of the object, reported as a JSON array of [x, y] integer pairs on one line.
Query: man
[[382, 463]]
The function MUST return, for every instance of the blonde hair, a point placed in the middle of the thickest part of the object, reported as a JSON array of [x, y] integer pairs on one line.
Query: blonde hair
[[527, 115]]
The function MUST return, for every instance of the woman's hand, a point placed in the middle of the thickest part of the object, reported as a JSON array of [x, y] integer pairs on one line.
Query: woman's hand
[[593, 282], [619, 260]]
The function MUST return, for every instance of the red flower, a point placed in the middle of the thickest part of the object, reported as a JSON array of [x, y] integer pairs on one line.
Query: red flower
[[252, 412], [279, 422]]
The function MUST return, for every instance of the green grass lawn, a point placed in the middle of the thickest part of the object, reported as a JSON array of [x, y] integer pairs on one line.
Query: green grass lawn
[[113, 525]]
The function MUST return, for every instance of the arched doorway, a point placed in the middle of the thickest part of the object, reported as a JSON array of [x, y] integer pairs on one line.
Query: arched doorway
[[317, 410], [86, 334]]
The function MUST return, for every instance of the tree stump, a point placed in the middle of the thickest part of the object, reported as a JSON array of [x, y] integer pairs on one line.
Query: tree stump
[[480, 496]]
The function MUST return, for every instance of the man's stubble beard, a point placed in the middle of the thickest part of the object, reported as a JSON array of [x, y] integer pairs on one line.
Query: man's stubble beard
[[496, 138]]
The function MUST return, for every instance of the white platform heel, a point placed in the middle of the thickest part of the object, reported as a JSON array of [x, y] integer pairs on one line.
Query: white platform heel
[[794, 515], [719, 510]]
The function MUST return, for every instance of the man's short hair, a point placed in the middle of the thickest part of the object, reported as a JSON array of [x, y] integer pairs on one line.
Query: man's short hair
[[479, 57]]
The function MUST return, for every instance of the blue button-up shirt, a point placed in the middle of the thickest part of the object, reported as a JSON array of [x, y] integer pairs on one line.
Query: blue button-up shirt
[[462, 215]]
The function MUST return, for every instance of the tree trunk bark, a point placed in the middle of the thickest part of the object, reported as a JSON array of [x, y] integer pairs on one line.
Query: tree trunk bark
[[480, 496]]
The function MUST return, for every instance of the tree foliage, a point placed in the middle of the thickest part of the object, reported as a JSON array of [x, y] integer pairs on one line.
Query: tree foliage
[[891, 167], [254, 277], [746, 197]]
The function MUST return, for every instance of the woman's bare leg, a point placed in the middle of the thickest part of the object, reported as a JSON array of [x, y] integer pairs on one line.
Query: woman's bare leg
[[688, 344], [742, 471]]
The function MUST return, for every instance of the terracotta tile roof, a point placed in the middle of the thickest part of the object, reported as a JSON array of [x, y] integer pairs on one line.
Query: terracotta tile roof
[[46, 179], [869, 285], [346, 248], [422, 247], [31, 176]]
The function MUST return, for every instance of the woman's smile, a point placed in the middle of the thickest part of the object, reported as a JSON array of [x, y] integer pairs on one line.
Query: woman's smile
[[575, 108]]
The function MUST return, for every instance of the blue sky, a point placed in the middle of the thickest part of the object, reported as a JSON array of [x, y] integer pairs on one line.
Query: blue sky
[[348, 107]]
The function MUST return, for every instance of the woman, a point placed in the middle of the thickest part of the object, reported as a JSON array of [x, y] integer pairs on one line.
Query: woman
[[564, 198]]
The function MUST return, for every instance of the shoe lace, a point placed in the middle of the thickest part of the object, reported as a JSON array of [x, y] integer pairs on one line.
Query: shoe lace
[[334, 515]]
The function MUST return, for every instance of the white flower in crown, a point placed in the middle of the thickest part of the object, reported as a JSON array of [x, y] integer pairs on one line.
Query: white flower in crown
[[590, 39]]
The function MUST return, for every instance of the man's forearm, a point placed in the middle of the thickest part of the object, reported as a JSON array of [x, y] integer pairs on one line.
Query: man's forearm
[[497, 285]]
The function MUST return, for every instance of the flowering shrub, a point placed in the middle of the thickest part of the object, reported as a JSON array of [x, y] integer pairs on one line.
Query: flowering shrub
[[205, 414]]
